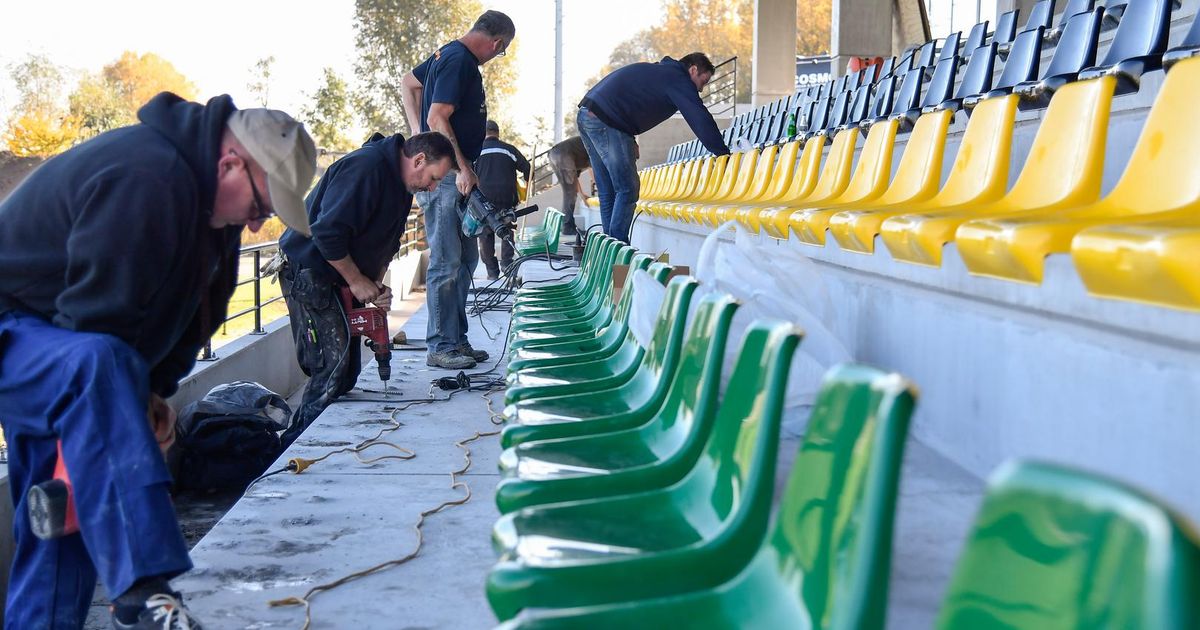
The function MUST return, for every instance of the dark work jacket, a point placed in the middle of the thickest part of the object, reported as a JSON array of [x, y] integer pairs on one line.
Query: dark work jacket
[[112, 236], [497, 167], [358, 208], [638, 97]]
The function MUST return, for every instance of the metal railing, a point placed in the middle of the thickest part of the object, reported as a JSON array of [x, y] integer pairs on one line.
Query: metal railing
[[543, 173], [720, 95], [254, 252], [413, 238]]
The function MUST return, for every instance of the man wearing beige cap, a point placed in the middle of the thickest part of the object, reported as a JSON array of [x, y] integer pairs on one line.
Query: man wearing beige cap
[[117, 262]]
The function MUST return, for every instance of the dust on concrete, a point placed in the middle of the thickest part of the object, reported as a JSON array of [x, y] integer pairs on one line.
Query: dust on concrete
[[323, 443]]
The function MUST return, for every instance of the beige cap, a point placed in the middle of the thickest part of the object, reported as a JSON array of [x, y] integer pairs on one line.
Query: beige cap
[[281, 146]]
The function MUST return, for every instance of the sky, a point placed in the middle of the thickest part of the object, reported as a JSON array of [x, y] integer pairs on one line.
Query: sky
[[215, 43]]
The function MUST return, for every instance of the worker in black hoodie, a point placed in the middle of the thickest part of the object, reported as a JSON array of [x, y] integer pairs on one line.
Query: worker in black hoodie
[[358, 211], [631, 101], [117, 262]]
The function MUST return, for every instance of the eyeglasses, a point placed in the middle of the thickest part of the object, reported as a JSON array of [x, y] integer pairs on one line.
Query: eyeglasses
[[503, 51], [261, 214]]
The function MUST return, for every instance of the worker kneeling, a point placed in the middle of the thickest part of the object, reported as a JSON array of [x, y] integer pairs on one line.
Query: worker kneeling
[[358, 212], [117, 262]]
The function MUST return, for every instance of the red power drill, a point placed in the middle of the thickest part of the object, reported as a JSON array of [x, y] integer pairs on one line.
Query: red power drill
[[371, 322]]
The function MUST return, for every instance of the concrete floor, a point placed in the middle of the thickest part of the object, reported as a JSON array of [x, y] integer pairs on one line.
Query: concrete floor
[[292, 532]]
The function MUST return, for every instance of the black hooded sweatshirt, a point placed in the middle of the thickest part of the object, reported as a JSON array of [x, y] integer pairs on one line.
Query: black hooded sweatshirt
[[113, 237], [358, 209]]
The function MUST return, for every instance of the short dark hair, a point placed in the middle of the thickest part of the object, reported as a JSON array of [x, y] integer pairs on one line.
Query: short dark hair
[[495, 24], [700, 60], [433, 144], [492, 127]]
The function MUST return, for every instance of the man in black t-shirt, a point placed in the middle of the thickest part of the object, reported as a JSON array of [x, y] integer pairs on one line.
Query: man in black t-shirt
[[498, 165], [445, 93]]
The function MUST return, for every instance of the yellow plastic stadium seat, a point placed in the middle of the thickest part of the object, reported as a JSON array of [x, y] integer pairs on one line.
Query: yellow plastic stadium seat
[[666, 208], [835, 175], [979, 175], [650, 181], [671, 180], [870, 178], [1161, 182], [1156, 263], [917, 178], [804, 179], [777, 190], [759, 184], [1064, 169], [740, 182], [725, 185]]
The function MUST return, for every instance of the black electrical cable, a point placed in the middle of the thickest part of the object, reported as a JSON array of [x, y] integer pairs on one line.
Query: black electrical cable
[[289, 468], [633, 222]]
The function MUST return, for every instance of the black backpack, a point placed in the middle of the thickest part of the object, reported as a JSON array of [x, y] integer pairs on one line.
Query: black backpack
[[229, 437]]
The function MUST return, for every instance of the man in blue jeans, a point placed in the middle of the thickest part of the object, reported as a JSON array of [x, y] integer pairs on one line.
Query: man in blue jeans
[[631, 101], [445, 93], [117, 262]]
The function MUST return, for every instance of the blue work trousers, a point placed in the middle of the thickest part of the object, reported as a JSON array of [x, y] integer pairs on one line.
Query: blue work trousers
[[90, 391], [615, 169]]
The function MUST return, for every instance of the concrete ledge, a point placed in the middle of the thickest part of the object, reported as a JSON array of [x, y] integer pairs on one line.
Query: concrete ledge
[[269, 359]]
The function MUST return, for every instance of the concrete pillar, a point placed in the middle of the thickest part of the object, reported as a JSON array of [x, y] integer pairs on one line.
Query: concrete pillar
[[774, 50], [860, 28]]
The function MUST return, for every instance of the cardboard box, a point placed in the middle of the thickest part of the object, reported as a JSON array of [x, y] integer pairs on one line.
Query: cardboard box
[[621, 272]]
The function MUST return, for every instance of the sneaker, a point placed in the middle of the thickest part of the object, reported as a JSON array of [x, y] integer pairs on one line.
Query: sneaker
[[478, 355], [492, 277], [450, 360], [164, 611], [568, 229]]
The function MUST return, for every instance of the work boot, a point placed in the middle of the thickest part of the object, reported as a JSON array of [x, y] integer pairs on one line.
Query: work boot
[[164, 611], [479, 355], [450, 360]]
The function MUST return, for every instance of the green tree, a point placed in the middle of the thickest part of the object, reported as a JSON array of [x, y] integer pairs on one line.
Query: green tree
[[39, 84], [813, 24], [328, 114], [39, 125], [721, 29], [395, 36], [97, 107], [500, 83], [111, 98], [40, 134], [138, 78], [260, 80]]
